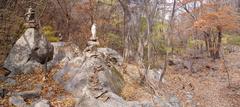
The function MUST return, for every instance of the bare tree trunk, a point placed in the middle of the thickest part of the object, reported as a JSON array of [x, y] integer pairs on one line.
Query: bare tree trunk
[[148, 41], [171, 26], [206, 41], [126, 53], [165, 68], [150, 13], [218, 47], [127, 17], [140, 49], [168, 42]]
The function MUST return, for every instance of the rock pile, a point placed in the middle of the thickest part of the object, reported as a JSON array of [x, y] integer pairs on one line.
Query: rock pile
[[93, 78], [30, 51]]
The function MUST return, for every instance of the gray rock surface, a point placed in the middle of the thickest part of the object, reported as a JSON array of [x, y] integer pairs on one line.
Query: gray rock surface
[[113, 101], [42, 103], [17, 101], [64, 52], [93, 78], [96, 83], [153, 77], [231, 48], [111, 54], [80, 70], [10, 81], [3, 78], [172, 101], [30, 50]]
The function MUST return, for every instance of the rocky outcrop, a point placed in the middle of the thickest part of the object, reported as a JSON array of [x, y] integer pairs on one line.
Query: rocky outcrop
[[64, 52], [111, 55], [29, 52], [93, 76], [94, 79], [84, 73]]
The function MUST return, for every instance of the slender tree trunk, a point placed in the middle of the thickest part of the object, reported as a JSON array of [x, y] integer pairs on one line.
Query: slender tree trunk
[[127, 17], [169, 40], [211, 46], [171, 25], [140, 49], [148, 41], [126, 48], [125, 37], [218, 47], [206, 42]]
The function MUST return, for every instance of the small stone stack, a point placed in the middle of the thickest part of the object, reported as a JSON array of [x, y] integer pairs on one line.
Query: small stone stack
[[30, 51], [92, 44], [30, 18]]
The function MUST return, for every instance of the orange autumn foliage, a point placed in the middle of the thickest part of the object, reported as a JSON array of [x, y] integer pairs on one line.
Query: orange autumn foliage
[[223, 19]]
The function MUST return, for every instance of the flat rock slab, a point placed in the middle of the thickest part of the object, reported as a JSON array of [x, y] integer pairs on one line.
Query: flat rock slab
[[17, 101]]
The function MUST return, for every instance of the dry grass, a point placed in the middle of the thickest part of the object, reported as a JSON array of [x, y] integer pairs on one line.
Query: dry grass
[[133, 90], [209, 88]]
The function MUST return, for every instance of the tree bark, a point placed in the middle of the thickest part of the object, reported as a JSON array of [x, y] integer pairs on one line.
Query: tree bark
[[127, 17], [218, 47], [148, 41], [140, 50]]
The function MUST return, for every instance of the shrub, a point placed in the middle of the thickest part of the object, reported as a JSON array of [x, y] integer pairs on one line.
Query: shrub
[[49, 33], [114, 41], [231, 39]]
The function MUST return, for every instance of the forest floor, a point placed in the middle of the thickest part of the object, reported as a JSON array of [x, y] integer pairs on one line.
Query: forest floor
[[208, 87], [215, 84], [50, 90]]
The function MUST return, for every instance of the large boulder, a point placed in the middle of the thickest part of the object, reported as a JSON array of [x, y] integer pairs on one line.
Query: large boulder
[[82, 72], [30, 51]]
